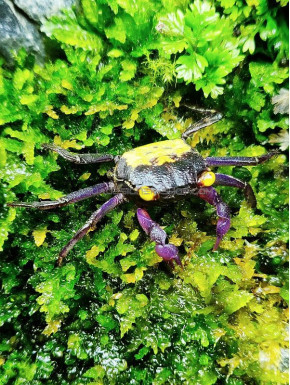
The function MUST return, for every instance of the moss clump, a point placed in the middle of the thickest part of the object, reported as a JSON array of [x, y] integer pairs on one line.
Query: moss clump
[[113, 314]]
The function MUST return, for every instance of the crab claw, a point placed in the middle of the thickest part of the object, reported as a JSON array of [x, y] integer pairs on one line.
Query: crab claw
[[168, 252]]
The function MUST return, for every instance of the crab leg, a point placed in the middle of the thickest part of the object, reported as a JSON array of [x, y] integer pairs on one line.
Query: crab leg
[[227, 180], [205, 122], [210, 195], [167, 251], [90, 224], [239, 160], [203, 111], [79, 158], [73, 197]]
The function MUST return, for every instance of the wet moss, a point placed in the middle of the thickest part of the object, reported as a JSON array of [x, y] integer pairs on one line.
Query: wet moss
[[114, 313]]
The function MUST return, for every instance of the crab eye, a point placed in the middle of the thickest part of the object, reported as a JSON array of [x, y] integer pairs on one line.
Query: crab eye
[[206, 179], [147, 194]]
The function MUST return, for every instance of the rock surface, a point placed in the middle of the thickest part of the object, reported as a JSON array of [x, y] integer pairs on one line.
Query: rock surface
[[18, 25], [39, 9], [17, 32]]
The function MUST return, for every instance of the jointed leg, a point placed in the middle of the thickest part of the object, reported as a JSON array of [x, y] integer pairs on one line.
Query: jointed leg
[[73, 197], [239, 160], [210, 195], [90, 224], [79, 158], [168, 252], [227, 180], [201, 110], [205, 122]]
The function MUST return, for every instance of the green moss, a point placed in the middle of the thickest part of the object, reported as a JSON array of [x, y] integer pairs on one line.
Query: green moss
[[113, 313]]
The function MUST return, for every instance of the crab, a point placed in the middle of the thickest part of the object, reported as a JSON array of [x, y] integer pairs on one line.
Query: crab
[[156, 173]]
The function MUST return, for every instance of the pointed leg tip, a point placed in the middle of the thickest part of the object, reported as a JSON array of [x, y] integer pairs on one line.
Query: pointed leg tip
[[59, 261], [61, 256], [45, 146], [264, 158], [275, 152], [250, 197], [18, 204], [216, 245], [178, 261], [253, 204]]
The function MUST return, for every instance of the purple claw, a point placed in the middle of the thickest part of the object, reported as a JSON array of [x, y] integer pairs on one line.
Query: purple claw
[[223, 226], [144, 219], [210, 195], [168, 251], [150, 227]]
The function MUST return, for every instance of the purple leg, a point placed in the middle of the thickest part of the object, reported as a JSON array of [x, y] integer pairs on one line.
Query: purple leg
[[73, 197], [90, 224], [167, 251], [210, 195], [227, 180], [239, 160], [79, 158]]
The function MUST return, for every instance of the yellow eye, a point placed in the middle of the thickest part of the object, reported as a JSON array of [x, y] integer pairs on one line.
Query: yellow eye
[[206, 179], [147, 194]]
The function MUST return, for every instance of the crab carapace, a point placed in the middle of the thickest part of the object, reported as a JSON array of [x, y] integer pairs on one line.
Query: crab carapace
[[156, 173]]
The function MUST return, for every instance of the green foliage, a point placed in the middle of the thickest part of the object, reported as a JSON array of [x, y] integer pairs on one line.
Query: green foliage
[[113, 313], [260, 19], [210, 52], [66, 30]]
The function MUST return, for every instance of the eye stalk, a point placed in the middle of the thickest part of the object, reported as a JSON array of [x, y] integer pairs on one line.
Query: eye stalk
[[147, 194], [206, 179]]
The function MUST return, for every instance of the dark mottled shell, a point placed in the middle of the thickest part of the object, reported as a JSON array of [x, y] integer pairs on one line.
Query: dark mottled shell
[[160, 166]]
